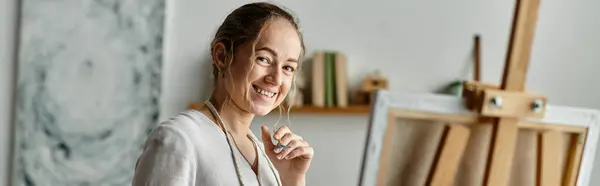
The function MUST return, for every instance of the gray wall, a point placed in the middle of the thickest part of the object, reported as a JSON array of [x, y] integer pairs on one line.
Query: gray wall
[[406, 38]]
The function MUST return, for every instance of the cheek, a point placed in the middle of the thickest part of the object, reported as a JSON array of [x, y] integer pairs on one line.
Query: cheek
[[287, 84], [245, 74], [256, 73]]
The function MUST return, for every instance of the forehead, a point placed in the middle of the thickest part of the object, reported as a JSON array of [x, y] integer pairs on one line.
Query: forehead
[[281, 36]]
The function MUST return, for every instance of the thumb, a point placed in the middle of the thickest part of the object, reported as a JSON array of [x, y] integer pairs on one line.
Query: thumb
[[266, 137]]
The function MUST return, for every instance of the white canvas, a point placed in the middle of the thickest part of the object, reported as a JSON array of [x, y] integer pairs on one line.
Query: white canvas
[[445, 104]]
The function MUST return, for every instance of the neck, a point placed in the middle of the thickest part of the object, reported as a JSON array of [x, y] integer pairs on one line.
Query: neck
[[234, 118]]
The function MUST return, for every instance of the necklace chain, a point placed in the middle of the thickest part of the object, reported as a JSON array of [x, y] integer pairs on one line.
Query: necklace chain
[[213, 110]]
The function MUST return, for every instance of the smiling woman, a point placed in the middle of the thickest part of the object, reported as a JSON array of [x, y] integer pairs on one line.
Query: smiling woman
[[260, 72], [256, 52]]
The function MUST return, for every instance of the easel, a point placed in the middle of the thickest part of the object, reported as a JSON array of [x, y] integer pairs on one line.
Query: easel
[[506, 106], [508, 103]]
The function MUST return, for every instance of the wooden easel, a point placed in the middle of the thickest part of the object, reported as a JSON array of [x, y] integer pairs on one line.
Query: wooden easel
[[506, 106], [508, 103]]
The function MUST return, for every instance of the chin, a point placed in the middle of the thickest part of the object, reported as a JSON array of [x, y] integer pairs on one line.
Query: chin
[[261, 110]]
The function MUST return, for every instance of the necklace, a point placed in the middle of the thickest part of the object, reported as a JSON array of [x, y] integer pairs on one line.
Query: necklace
[[220, 122]]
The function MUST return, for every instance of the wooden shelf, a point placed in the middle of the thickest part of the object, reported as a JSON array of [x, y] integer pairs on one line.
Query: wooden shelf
[[350, 110]]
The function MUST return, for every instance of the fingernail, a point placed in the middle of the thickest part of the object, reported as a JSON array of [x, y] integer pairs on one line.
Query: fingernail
[[278, 149], [279, 157]]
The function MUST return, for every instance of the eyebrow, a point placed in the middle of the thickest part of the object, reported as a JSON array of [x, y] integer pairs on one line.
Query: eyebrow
[[275, 54]]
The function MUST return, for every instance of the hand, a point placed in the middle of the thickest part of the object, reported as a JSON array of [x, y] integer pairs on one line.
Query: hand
[[293, 161]]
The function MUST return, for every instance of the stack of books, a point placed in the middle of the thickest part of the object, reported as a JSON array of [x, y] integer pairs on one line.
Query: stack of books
[[329, 80]]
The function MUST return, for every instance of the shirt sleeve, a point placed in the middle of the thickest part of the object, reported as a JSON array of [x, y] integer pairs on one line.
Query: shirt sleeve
[[167, 159]]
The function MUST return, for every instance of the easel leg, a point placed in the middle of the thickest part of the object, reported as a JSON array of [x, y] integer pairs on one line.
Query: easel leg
[[453, 145], [503, 146], [515, 72]]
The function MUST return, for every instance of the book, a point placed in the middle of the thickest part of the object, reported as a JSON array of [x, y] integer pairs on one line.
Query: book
[[341, 80], [329, 79], [318, 79]]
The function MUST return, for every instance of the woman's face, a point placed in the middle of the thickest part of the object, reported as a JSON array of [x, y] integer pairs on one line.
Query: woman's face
[[259, 84]]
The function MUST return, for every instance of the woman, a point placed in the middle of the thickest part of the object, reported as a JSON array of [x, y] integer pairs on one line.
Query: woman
[[256, 52]]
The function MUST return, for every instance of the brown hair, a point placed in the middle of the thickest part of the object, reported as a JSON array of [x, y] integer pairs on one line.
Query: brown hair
[[245, 24]]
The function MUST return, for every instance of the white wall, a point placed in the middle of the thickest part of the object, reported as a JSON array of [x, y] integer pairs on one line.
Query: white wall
[[405, 37], [7, 64], [424, 43]]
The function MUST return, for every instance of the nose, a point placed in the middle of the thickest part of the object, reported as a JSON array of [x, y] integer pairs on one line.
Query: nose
[[274, 77]]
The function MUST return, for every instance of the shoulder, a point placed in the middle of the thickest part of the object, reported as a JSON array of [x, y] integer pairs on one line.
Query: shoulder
[[168, 156], [179, 131], [168, 138], [189, 119], [171, 133]]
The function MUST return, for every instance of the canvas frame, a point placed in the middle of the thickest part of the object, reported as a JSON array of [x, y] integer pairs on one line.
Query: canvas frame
[[387, 107]]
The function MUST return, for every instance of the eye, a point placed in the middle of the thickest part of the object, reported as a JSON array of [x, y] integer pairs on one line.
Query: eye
[[262, 59], [289, 68]]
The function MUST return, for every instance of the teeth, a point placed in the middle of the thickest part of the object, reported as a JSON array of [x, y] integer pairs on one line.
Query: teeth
[[264, 92]]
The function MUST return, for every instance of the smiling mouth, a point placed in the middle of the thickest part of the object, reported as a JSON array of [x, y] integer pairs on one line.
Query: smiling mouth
[[264, 92]]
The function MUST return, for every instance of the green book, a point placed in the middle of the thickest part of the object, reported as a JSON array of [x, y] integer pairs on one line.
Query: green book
[[330, 79]]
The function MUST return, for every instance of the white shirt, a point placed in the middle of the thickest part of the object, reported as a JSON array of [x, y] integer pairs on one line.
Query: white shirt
[[191, 150]]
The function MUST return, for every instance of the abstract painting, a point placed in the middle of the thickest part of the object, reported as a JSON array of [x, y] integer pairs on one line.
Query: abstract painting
[[87, 91]]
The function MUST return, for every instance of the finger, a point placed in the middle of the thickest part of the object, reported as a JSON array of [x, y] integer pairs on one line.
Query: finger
[[281, 132], [266, 137], [302, 152], [293, 145], [287, 138]]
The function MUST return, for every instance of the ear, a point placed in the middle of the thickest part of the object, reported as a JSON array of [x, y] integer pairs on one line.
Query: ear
[[219, 53]]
